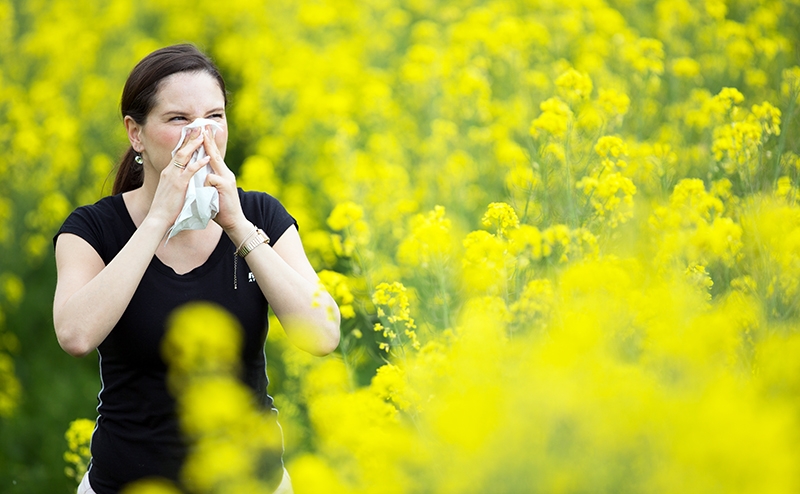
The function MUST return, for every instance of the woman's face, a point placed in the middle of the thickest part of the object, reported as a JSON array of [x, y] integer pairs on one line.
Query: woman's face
[[181, 98]]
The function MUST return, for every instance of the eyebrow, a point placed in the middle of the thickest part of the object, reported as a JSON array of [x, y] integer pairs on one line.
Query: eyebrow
[[183, 113]]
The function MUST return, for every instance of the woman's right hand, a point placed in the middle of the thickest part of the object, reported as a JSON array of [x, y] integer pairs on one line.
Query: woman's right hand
[[174, 180]]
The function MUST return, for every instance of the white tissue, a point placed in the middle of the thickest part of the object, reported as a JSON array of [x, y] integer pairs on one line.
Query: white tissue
[[202, 203]]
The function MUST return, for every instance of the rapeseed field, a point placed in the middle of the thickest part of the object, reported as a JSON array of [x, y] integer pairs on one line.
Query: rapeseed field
[[564, 236]]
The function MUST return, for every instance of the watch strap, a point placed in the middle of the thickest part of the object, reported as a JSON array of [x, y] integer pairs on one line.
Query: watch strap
[[259, 238]]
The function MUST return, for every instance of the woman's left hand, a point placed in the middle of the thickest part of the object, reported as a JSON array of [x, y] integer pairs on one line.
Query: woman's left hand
[[230, 213]]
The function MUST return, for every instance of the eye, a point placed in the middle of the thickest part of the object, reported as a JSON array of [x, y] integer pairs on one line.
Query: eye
[[218, 115], [177, 118]]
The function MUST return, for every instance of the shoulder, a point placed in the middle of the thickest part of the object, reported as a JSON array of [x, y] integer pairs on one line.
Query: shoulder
[[262, 206], [106, 206], [94, 222], [257, 199], [266, 212], [100, 212]]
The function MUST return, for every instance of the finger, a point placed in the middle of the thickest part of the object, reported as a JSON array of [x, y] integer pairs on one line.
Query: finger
[[216, 181], [212, 150], [212, 180], [193, 168], [190, 145], [175, 163]]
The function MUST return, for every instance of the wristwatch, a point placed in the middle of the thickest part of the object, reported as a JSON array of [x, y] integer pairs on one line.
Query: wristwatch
[[259, 238]]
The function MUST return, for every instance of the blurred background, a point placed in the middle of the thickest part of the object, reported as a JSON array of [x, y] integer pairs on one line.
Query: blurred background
[[565, 237]]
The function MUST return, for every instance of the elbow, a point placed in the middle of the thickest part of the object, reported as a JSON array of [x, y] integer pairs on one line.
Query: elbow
[[319, 338], [328, 331], [72, 343], [332, 332], [75, 348], [77, 351], [329, 342]]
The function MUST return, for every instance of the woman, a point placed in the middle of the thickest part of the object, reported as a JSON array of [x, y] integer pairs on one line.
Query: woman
[[118, 279]]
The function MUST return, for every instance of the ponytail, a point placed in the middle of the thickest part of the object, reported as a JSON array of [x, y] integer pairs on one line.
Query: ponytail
[[129, 174]]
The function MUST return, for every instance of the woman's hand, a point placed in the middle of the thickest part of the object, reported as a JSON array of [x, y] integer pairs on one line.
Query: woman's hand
[[230, 215], [174, 180]]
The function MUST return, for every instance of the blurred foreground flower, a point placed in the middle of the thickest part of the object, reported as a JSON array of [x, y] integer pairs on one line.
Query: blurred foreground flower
[[77, 456]]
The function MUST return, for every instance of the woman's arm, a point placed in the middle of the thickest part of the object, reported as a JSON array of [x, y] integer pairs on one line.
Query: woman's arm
[[306, 311], [90, 296], [308, 314]]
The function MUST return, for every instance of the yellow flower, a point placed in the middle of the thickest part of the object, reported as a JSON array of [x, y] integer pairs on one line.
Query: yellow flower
[[522, 178], [151, 486], [725, 101], [716, 9], [574, 86], [12, 289], [693, 228], [613, 102], [535, 302], [257, 173], [790, 84], [554, 119], [790, 162], [699, 277], [214, 462], [526, 241], [608, 191], [569, 244], [646, 55], [390, 384], [690, 195], [392, 301], [10, 387], [78, 436], [610, 145], [336, 284], [783, 187], [345, 215], [201, 338], [348, 217], [213, 405], [429, 242], [502, 216], [756, 77], [486, 262], [611, 196], [769, 117], [686, 68]]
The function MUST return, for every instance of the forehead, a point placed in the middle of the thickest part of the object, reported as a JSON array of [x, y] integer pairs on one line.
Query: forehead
[[187, 91]]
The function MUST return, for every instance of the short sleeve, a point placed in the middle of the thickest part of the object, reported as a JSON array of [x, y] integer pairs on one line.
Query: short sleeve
[[267, 213], [92, 224], [79, 223]]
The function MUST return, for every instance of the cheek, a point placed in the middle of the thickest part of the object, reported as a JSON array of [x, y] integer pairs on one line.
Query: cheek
[[168, 138]]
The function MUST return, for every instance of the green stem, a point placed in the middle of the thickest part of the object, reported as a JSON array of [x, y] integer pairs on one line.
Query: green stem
[[782, 138], [568, 169], [443, 291]]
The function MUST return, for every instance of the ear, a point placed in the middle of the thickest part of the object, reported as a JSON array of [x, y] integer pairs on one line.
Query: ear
[[134, 131]]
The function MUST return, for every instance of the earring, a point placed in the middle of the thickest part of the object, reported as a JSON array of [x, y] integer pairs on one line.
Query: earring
[[138, 159]]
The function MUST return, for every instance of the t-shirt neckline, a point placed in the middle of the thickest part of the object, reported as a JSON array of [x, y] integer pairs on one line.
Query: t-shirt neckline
[[222, 246]]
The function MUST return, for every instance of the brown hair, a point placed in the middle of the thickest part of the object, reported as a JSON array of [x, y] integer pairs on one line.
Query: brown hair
[[139, 97]]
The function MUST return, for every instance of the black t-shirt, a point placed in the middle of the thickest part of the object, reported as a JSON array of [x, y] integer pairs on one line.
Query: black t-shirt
[[137, 433]]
